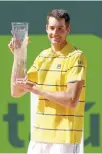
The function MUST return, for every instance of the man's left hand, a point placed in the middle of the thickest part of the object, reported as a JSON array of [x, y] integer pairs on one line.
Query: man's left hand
[[29, 86]]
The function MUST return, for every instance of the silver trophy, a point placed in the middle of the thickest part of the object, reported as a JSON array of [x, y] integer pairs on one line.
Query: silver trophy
[[20, 40]]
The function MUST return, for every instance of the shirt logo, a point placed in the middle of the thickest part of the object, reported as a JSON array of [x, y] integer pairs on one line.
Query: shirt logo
[[58, 66], [80, 62]]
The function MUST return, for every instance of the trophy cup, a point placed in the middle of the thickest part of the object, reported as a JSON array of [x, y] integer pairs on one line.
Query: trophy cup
[[20, 40]]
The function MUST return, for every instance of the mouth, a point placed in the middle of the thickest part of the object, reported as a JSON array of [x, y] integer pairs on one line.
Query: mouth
[[56, 38]]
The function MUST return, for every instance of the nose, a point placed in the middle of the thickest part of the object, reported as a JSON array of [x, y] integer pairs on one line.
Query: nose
[[55, 32]]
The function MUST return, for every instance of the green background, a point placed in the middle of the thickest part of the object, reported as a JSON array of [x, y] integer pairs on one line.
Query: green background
[[86, 34]]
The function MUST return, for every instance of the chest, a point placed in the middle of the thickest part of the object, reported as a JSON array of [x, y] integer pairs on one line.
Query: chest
[[52, 73]]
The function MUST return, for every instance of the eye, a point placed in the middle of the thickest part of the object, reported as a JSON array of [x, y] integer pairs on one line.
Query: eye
[[52, 28], [60, 28]]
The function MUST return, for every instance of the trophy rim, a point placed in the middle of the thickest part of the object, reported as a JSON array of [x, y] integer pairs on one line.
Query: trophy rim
[[19, 23]]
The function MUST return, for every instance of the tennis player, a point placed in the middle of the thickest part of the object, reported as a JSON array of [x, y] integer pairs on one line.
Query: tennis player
[[58, 77]]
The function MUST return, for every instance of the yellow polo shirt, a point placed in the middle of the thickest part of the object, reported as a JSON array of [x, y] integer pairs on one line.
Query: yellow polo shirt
[[52, 72]]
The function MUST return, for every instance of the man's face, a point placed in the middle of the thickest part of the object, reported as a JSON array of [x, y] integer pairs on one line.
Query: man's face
[[57, 31]]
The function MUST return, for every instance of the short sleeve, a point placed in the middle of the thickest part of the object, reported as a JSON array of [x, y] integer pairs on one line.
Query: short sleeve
[[77, 69], [32, 73]]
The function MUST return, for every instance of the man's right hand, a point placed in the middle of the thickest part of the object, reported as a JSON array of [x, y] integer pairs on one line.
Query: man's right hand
[[11, 44]]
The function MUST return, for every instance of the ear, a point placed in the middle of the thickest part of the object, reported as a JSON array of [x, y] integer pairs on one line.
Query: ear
[[68, 29], [47, 28]]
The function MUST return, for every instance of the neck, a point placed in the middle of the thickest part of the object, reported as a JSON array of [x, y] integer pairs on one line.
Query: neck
[[58, 47]]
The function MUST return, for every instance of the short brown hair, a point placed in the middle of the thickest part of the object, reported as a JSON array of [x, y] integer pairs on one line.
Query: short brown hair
[[59, 14]]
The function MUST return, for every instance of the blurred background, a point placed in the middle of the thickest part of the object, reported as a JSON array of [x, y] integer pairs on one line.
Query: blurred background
[[86, 34]]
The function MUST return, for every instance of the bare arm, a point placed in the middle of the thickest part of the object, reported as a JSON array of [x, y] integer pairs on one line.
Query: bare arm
[[19, 64], [17, 90], [64, 98]]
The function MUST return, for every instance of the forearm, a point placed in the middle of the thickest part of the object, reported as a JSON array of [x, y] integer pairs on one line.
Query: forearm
[[63, 98], [17, 73], [66, 98]]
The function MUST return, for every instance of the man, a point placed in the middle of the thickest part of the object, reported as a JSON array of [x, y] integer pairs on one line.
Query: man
[[58, 77]]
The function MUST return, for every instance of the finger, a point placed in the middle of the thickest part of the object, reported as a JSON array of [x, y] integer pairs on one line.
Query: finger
[[20, 81], [11, 49], [30, 83], [11, 45], [25, 78], [12, 40], [28, 39], [27, 89]]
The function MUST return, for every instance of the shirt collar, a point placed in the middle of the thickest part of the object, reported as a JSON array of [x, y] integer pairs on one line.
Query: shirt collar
[[63, 52]]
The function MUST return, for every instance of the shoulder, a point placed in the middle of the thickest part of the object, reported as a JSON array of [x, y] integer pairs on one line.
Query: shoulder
[[45, 52], [75, 53], [78, 56]]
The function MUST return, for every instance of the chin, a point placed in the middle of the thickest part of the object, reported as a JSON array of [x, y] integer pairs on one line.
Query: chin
[[55, 43]]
